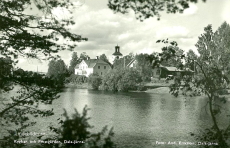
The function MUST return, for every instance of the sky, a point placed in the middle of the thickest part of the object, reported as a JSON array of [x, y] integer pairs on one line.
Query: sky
[[105, 29]]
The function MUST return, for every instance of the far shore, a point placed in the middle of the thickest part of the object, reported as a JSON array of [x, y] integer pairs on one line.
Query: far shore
[[148, 86], [160, 88], [79, 86]]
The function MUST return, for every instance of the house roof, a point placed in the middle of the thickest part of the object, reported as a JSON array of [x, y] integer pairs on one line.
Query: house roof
[[166, 67], [131, 62], [92, 62], [77, 66], [172, 68], [176, 69]]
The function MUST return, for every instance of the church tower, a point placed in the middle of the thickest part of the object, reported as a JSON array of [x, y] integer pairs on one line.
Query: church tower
[[117, 54]]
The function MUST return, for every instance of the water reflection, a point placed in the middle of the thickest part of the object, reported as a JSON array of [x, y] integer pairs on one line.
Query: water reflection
[[139, 119]]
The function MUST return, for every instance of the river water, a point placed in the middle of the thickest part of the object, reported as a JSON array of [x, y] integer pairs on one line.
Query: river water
[[139, 119]]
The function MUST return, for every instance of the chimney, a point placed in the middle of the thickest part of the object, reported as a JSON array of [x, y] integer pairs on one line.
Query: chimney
[[97, 57]]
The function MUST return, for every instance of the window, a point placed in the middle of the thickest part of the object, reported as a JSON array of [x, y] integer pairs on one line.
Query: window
[[98, 67], [104, 67], [101, 73]]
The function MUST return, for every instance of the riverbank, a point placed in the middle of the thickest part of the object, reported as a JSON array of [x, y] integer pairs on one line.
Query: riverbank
[[159, 90], [146, 86], [79, 86]]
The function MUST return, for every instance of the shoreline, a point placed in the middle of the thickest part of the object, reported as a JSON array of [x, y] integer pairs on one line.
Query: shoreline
[[79, 86], [153, 88]]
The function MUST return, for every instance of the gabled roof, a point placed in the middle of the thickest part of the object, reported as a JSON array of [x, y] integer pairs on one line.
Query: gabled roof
[[77, 66], [92, 62], [176, 69], [131, 62], [172, 68]]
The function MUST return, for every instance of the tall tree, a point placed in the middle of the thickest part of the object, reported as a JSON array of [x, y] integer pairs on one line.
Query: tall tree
[[56, 68], [22, 32], [212, 79], [26, 35], [173, 62], [104, 58], [57, 71], [144, 66], [83, 56], [191, 64], [149, 8], [74, 61]]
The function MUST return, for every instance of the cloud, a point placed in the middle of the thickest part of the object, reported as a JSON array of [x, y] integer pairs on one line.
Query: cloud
[[172, 32], [123, 36], [226, 12], [105, 30], [21, 60], [90, 45]]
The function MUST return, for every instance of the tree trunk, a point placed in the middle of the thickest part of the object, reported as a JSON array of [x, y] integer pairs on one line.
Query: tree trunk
[[219, 135]]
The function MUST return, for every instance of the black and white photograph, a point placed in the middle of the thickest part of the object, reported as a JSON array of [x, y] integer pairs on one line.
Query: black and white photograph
[[114, 73]]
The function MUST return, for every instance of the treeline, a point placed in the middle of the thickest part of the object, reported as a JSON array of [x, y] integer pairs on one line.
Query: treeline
[[62, 74], [126, 78], [121, 77]]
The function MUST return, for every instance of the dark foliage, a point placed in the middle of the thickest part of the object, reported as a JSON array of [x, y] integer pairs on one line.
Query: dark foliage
[[144, 67], [57, 72], [94, 80], [73, 62], [104, 58], [149, 8], [211, 76], [24, 35], [76, 79], [121, 80], [77, 128]]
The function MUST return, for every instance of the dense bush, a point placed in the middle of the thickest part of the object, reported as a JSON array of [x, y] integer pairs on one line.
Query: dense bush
[[109, 81], [129, 80], [144, 67], [223, 92], [94, 81], [76, 79], [121, 80]]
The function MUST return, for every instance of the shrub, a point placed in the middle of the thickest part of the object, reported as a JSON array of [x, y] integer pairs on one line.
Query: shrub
[[121, 80], [94, 81], [129, 80], [109, 81], [76, 79], [77, 128], [223, 92]]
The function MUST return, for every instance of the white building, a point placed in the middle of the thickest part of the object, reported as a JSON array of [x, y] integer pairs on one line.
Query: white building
[[87, 67]]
